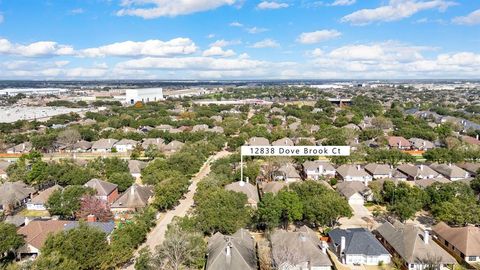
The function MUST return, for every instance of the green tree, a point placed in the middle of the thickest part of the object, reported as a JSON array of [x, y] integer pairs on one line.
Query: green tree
[[85, 245], [321, 206], [122, 179], [9, 239], [55, 261], [66, 202], [221, 210]]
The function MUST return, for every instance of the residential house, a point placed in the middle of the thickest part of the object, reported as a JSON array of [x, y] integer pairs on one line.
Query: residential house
[[246, 188], [470, 167], [273, 187], [217, 129], [301, 141], [301, 249], [471, 140], [416, 172], [14, 195], [217, 118], [106, 191], [352, 172], [81, 146], [379, 171], [20, 148], [38, 202], [158, 143], [421, 144], [258, 141], [424, 183], [283, 142], [103, 145], [317, 169], [356, 193], [450, 171], [36, 233], [294, 126], [125, 145], [136, 197], [198, 128], [358, 246], [106, 227], [462, 241], [414, 246], [398, 143], [235, 252], [164, 128], [288, 173], [173, 146], [135, 167]]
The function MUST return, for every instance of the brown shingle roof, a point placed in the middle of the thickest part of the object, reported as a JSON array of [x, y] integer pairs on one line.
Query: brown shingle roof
[[37, 231], [465, 239], [103, 188]]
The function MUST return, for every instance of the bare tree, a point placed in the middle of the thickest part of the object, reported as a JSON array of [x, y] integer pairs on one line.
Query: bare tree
[[179, 250], [264, 255], [68, 137], [431, 262], [287, 257]]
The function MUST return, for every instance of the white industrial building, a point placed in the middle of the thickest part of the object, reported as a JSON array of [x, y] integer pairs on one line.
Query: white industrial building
[[143, 95]]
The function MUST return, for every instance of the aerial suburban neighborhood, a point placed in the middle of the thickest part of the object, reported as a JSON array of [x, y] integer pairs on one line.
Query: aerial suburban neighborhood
[[144, 180], [240, 135]]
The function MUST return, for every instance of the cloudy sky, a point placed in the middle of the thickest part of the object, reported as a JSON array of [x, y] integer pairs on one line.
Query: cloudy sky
[[239, 39]]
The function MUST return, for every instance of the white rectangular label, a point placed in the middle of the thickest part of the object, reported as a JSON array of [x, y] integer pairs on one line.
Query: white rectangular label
[[295, 150]]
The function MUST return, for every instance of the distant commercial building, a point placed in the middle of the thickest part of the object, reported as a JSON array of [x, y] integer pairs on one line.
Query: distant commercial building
[[32, 91], [133, 96]]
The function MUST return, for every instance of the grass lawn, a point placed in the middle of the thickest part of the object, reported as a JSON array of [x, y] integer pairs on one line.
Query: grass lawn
[[34, 213]]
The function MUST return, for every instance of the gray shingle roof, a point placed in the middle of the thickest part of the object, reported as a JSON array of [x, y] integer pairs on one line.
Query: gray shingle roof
[[358, 241], [408, 242], [134, 197], [242, 252], [103, 188], [106, 227], [245, 188], [14, 192], [294, 248]]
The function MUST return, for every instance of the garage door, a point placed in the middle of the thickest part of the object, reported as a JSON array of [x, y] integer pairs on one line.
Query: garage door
[[354, 200]]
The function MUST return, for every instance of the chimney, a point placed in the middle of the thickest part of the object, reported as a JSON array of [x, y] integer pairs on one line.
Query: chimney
[[477, 136], [342, 244], [91, 218], [426, 236], [242, 183], [158, 140], [324, 247], [421, 167], [228, 252], [358, 167], [303, 238], [320, 168]]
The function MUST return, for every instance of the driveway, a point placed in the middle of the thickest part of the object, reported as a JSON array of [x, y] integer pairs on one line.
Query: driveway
[[362, 218]]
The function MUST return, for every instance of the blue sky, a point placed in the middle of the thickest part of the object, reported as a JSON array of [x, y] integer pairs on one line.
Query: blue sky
[[239, 39]]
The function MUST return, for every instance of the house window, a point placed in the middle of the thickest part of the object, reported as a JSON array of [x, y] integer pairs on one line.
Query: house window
[[472, 258]]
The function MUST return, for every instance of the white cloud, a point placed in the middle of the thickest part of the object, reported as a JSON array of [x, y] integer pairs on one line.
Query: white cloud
[[168, 8], [77, 11], [471, 19], [318, 36], [266, 43], [36, 49], [177, 46], [210, 35], [271, 5], [343, 2], [1, 18], [218, 51], [394, 11], [256, 30], [236, 24], [225, 43]]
